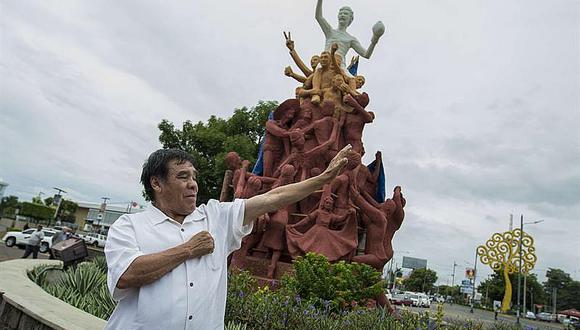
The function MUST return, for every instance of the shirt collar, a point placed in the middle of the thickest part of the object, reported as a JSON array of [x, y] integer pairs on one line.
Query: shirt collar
[[158, 217]]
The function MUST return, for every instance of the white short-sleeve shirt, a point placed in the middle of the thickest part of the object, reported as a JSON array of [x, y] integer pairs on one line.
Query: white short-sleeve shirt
[[192, 295]]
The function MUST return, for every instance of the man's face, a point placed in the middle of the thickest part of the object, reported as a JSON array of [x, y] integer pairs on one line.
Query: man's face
[[337, 80], [325, 59], [344, 17], [314, 61], [179, 191], [360, 81]]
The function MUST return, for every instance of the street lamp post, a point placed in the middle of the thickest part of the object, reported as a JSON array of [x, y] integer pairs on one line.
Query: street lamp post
[[473, 286], [526, 274], [520, 267], [58, 199]]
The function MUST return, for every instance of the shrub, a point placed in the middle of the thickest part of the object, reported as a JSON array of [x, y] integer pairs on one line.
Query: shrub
[[84, 287], [344, 285]]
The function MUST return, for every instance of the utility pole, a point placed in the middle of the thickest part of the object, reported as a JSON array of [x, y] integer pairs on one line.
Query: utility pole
[[453, 276], [511, 222], [525, 278], [520, 267], [102, 210], [57, 200], [473, 288]]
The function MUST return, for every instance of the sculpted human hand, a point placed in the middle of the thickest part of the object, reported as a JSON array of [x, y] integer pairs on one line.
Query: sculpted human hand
[[334, 47], [289, 41], [288, 71], [336, 164], [200, 244], [349, 100], [353, 60]]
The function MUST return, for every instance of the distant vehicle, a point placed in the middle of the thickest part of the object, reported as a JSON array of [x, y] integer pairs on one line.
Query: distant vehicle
[[21, 239], [402, 299], [530, 315], [94, 239], [415, 299], [547, 317], [424, 300]]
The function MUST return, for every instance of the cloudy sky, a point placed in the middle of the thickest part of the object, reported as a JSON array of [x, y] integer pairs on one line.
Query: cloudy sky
[[477, 103]]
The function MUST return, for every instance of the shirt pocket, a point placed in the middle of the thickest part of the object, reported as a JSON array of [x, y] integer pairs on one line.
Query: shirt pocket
[[216, 260]]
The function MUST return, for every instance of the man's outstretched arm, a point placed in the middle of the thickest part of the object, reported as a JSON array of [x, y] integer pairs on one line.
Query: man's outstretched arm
[[277, 198]]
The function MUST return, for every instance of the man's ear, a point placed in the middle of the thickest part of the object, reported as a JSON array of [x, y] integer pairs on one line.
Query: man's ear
[[155, 184]]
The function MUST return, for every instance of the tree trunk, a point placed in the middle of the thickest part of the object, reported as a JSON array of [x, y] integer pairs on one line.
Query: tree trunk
[[507, 297]]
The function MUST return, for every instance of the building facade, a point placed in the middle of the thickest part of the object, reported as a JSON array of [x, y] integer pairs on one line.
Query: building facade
[[93, 217]]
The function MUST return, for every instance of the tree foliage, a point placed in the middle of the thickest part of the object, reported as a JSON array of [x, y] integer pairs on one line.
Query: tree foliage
[[36, 211], [8, 205], [209, 142], [66, 211], [567, 290], [421, 280]]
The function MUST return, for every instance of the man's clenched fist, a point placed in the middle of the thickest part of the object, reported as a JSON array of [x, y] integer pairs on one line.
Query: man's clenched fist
[[200, 244]]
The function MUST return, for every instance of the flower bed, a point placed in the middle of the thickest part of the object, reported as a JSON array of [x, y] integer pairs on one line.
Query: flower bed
[[319, 295]]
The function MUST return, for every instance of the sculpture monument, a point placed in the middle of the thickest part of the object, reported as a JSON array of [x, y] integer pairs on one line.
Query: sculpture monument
[[348, 219]]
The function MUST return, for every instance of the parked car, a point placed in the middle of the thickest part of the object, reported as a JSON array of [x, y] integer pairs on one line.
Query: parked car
[[547, 317], [530, 315], [416, 300], [402, 299], [424, 300], [94, 239], [20, 239]]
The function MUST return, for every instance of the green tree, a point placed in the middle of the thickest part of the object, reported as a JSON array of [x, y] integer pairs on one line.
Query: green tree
[[66, 211], [209, 142], [421, 280], [8, 205], [38, 200], [568, 290]]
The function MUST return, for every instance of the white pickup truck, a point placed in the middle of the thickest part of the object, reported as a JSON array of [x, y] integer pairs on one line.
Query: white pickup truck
[[94, 239]]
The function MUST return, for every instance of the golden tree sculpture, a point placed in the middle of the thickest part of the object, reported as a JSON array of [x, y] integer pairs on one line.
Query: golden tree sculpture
[[502, 253]]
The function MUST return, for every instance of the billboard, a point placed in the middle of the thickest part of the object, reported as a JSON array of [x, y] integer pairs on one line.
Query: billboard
[[414, 263], [466, 287]]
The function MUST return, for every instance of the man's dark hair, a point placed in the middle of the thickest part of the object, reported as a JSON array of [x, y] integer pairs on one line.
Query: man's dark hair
[[156, 166]]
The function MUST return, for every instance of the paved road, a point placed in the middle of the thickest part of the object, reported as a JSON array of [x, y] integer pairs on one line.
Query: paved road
[[462, 312]]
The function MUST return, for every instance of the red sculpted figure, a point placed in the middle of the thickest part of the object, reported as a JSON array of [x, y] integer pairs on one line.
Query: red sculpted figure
[[277, 145], [275, 235], [356, 121], [251, 189], [320, 238], [382, 221]]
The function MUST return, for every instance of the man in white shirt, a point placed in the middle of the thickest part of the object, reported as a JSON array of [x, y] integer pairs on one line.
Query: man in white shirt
[[33, 245], [167, 266]]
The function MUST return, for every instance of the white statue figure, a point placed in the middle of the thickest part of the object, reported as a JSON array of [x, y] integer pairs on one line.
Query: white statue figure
[[344, 40]]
